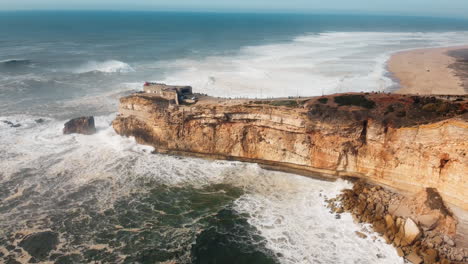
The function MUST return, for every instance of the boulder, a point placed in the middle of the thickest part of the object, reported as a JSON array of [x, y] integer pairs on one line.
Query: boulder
[[81, 125], [400, 252], [400, 210], [437, 240], [38, 245], [414, 258], [361, 235], [389, 221], [412, 232], [430, 256], [428, 221]]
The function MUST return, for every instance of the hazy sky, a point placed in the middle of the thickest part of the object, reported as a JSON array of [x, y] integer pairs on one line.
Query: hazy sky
[[456, 8]]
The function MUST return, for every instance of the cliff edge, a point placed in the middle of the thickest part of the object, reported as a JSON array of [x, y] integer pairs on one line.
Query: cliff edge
[[404, 142]]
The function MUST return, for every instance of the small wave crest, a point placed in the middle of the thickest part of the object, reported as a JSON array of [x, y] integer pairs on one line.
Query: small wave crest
[[110, 66], [14, 62]]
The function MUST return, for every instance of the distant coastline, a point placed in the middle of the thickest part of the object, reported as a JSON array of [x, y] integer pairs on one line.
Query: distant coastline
[[431, 70]]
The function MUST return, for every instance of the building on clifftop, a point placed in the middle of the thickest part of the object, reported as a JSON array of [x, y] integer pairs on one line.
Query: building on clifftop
[[169, 92]]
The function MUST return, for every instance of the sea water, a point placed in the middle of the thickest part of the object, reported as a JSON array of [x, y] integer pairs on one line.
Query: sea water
[[109, 199]]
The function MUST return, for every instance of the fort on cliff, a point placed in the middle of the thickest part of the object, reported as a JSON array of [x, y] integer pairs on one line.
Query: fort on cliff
[[169, 92]]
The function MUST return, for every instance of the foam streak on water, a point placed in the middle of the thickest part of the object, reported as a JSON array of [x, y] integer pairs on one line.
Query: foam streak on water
[[289, 211], [312, 64]]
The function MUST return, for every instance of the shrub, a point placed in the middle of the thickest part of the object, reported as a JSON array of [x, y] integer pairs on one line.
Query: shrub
[[443, 108], [390, 109], [323, 100], [430, 107], [401, 114], [288, 103], [354, 99]]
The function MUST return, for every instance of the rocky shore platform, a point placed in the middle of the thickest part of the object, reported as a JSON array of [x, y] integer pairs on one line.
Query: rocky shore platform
[[421, 227]]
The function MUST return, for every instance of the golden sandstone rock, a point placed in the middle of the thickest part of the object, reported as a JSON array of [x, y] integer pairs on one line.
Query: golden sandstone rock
[[422, 149], [411, 232]]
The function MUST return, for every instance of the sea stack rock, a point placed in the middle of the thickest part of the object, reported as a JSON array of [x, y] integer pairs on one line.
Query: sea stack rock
[[81, 125]]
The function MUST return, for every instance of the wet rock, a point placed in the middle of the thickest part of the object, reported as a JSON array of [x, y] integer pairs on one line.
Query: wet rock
[[39, 245], [400, 252], [11, 124], [389, 221], [10, 260], [414, 258], [430, 256], [10, 247], [39, 121], [387, 239], [379, 227], [361, 235], [80, 125]]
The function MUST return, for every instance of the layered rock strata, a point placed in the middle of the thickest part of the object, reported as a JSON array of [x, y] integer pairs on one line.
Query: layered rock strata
[[405, 142]]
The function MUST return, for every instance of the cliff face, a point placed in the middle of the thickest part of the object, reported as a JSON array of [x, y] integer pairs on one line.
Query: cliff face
[[404, 142]]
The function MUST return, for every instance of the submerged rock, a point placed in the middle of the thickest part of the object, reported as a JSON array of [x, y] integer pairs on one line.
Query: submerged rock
[[38, 245], [11, 124], [81, 125]]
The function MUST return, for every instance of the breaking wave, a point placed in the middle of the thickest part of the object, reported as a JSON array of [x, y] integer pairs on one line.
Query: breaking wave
[[309, 65], [110, 66]]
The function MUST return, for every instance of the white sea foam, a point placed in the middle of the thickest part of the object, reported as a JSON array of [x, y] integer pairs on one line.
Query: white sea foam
[[289, 211], [110, 66], [312, 64]]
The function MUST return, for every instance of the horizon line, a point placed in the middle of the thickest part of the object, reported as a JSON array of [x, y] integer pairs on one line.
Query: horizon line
[[246, 11]]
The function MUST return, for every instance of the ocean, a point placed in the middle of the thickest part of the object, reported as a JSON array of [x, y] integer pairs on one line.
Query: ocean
[[104, 198]]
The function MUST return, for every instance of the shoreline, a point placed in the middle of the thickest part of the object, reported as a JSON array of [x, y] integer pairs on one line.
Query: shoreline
[[430, 71]]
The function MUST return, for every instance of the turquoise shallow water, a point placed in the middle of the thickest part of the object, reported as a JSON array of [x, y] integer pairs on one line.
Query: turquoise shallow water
[[78, 199]]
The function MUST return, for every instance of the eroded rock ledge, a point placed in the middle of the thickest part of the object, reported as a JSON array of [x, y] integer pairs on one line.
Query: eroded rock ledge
[[420, 226], [402, 142]]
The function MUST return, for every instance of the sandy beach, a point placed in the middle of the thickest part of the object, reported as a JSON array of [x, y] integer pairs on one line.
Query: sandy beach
[[431, 71]]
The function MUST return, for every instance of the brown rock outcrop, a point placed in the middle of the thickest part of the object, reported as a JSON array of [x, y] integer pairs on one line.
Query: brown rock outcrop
[[413, 241], [80, 125], [405, 142]]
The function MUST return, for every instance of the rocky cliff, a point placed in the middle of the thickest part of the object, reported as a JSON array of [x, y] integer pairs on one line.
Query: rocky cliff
[[405, 142]]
